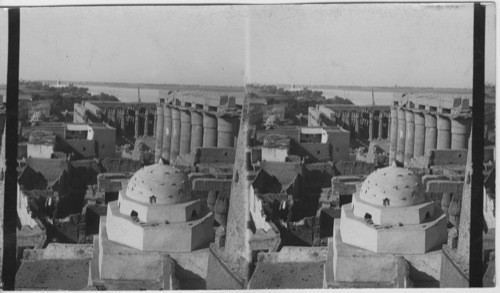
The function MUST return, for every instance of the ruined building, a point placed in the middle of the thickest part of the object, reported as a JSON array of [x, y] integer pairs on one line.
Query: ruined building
[[367, 122], [420, 123], [78, 140]]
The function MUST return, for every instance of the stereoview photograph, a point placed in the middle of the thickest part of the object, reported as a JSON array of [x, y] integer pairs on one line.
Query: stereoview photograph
[[248, 146]]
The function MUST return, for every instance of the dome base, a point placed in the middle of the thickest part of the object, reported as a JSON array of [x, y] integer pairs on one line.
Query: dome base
[[161, 237], [409, 239]]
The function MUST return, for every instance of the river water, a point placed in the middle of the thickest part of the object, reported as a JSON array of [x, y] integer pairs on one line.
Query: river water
[[151, 95]]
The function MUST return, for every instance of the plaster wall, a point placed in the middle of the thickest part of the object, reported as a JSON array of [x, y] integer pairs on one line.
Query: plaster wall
[[489, 211], [351, 264], [257, 212], [22, 210], [274, 154], [83, 147], [412, 239], [339, 142], [40, 150], [119, 262], [171, 237], [392, 215], [106, 142], [315, 151], [151, 213]]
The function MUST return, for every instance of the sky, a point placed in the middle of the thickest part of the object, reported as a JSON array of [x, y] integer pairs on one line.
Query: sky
[[341, 44]]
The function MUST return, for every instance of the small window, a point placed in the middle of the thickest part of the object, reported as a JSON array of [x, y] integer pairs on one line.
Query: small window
[[427, 215], [368, 217], [135, 216], [193, 214]]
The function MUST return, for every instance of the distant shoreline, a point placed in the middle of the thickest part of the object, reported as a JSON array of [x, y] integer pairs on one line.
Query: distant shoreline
[[241, 88]]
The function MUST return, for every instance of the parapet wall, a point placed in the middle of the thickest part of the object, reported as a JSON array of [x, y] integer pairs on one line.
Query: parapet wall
[[207, 155]]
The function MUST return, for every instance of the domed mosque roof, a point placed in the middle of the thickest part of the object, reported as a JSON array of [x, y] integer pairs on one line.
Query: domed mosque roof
[[393, 187], [167, 184]]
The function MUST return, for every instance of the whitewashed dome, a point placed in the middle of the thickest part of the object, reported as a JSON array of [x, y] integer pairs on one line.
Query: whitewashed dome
[[393, 186], [162, 183]]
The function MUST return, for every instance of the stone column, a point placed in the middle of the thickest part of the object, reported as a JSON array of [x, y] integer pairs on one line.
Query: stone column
[[419, 146], [185, 144], [400, 154], [159, 131], [122, 123], [460, 130], [371, 126], [393, 135], [357, 124], [445, 203], [167, 132], [443, 132], [380, 125], [176, 134], [155, 122], [146, 122], [209, 130], [196, 130], [430, 133], [410, 136], [136, 128], [224, 132]]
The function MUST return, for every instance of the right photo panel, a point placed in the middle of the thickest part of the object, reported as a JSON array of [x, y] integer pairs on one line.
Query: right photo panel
[[359, 148]]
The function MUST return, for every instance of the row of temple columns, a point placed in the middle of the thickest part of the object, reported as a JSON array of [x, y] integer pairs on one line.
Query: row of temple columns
[[128, 121], [415, 133], [361, 126], [181, 130]]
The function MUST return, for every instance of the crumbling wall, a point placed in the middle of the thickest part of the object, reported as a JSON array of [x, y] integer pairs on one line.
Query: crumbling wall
[[207, 155], [343, 168]]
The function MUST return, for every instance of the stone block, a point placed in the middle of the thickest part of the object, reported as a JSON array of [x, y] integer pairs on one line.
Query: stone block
[[448, 157], [211, 184], [441, 186]]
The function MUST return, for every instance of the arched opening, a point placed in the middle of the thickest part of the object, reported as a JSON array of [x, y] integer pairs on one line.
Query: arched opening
[[193, 214], [427, 215]]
